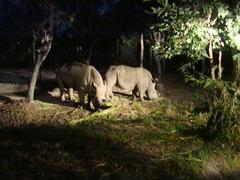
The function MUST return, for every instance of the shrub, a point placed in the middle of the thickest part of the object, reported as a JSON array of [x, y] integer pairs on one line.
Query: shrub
[[221, 100]]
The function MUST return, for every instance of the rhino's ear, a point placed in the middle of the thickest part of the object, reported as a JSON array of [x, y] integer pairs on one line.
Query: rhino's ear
[[155, 80]]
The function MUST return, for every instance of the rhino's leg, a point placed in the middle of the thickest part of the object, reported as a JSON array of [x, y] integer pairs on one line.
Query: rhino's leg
[[70, 93], [109, 85], [109, 93], [96, 104], [81, 97], [62, 96], [61, 87], [134, 93], [142, 93], [90, 99]]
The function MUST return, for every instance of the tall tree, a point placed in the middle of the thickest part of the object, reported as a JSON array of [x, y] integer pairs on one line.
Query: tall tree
[[42, 42], [45, 37]]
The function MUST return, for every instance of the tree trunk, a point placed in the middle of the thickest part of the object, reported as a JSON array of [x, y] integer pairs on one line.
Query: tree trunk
[[41, 54], [34, 81], [141, 50], [160, 61], [210, 51], [34, 47], [158, 64], [220, 64]]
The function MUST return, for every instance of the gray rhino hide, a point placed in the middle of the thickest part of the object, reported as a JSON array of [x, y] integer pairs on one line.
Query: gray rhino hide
[[126, 79], [85, 79]]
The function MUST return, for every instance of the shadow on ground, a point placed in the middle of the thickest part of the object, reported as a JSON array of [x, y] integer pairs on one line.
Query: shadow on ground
[[48, 98], [44, 97], [77, 153]]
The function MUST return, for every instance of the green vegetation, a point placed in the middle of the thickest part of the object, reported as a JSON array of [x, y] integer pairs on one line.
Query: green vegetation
[[191, 27], [131, 140], [221, 101], [202, 30]]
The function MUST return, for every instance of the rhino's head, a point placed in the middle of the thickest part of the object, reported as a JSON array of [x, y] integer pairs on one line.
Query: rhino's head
[[100, 92], [152, 93]]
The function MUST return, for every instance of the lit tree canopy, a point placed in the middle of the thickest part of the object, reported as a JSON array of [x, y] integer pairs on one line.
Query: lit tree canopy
[[190, 28]]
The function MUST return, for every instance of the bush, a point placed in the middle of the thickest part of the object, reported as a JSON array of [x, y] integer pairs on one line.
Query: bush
[[221, 100], [223, 106]]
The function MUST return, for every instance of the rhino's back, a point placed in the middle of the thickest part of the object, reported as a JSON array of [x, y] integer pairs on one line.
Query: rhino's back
[[126, 77], [75, 75], [132, 76]]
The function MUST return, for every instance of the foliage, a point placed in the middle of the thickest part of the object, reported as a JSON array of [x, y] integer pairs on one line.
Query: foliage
[[221, 100], [183, 29], [186, 29], [224, 110]]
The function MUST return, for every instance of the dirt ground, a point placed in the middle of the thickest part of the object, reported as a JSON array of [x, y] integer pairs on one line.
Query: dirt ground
[[170, 87]]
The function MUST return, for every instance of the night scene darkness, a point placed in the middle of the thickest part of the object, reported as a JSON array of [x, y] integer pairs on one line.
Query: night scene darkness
[[119, 89]]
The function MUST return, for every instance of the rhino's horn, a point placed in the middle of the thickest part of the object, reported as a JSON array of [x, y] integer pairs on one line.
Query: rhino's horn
[[155, 80]]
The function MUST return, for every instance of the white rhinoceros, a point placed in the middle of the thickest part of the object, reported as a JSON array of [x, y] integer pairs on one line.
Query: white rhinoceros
[[135, 79], [85, 79]]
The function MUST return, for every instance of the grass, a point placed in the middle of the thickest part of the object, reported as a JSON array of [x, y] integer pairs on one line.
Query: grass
[[131, 140]]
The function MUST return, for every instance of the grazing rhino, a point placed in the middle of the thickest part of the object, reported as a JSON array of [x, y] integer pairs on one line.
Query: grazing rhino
[[135, 79], [85, 79]]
